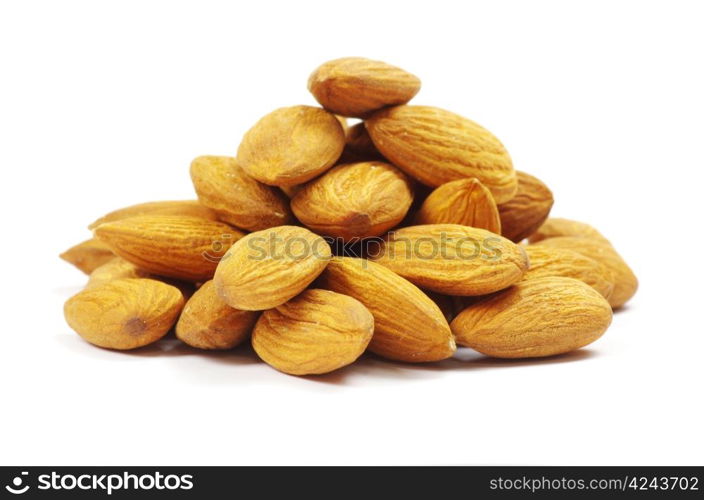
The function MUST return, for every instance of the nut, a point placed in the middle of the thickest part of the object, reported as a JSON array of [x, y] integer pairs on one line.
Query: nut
[[291, 145], [190, 208], [408, 325], [523, 214], [88, 255], [115, 269], [357, 200], [534, 318], [317, 332], [355, 86], [436, 146], [124, 313], [556, 227], [464, 201], [359, 145], [267, 268]]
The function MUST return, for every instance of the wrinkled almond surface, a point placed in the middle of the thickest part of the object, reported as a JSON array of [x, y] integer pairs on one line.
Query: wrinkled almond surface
[[555, 227], [190, 208], [88, 255], [523, 214]]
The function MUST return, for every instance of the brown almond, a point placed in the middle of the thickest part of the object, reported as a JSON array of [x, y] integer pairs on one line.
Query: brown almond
[[555, 227], [357, 200], [317, 332], [523, 214], [88, 255], [115, 269], [436, 146], [464, 201], [356, 86], [358, 144], [291, 145], [189, 208], [534, 318]]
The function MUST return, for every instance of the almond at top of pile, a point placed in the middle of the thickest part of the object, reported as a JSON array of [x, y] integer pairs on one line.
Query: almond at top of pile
[[262, 253]]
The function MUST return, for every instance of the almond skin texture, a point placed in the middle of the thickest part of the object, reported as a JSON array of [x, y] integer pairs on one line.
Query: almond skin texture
[[190, 208], [556, 227], [453, 259], [317, 332], [600, 250], [546, 262], [357, 200], [267, 268], [436, 146], [523, 214], [125, 313], [187, 248], [235, 197], [465, 201], [534, 318], [207, 322], [292, 145], [115, 269], [88, 255], [408, 325], [355, 86]]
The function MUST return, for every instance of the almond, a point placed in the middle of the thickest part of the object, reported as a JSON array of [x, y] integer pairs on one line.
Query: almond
[[408, 325], [207, 322], [124, 313], [115, 269], [235, 197], [464, 201], [600, 250], [534, 318], [547, 261], [267, 268], [556, 227], [523, 214], [358, 144], [317, 332], [190, 208], [291, 145], [436, 146], [453, 259], [355, 86], [357, 200], [180, 247], [88, 255]]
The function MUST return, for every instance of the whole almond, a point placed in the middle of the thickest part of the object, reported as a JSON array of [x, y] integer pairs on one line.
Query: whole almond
[[317, 332], [600, 250], [408, 325], [355, 86], [124, 313], [88, 255], [464, 201], [453, 259], [534, 318], [523, 214], [546, 261], [115, 269], [238, 199], [180, 247], [207, 322], [267, 268], [555, 227], [190, 208], [291, 145], [436, 146], [357, 200]]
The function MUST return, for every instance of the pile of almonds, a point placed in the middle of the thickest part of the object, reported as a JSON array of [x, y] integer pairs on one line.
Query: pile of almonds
[[402, 234]]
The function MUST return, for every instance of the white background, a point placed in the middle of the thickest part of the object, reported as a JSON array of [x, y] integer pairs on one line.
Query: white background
[[104, 104]]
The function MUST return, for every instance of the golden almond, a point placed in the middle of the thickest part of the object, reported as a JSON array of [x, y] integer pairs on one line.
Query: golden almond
[[317, 332], [453, 259], [556, 227], [355, 86], [291, 145], [546, 261], [523, 214], [207, 322], [600, 250], [464, 201], [238, 199], [436, 146], [88, 255], [534, 318], [115, 269], [267, 268], [357, 200], [187, 248], [189, 208], [408, 325], [124, 313]]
